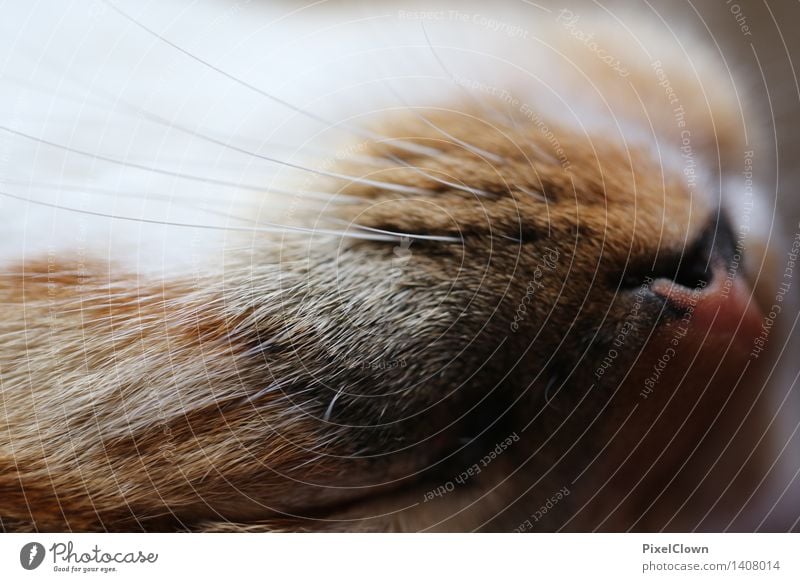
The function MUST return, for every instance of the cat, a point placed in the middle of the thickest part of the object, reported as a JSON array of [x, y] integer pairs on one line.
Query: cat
[[336, 270]]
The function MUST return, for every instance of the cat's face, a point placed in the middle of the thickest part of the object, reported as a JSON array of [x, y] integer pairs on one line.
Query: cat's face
[[561, 234], [589, 278], [551, 307]]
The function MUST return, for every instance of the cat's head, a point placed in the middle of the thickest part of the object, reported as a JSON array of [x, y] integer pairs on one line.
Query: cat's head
[[561, 240], [581, 277]]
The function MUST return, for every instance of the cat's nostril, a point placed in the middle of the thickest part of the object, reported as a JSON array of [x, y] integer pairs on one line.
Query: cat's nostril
[[693, 271], [693, 267]]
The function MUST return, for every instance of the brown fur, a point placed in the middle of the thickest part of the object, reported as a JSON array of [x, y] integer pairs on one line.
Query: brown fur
[[139, 404]]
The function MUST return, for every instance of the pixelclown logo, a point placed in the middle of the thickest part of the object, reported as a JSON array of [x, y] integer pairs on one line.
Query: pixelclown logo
[[31, 555]]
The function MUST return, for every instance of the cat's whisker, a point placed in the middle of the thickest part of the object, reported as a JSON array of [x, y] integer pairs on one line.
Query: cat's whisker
[[153, 118], [110, 102], [202, 136], [327, 416], [363, 227], [443, 182], [172, 173], [511, 238], [176, 201], [480, 104], [473, 148], [364, 133], [468, 146], [269, 389], [144, 195], [536, 195], [274, 229]]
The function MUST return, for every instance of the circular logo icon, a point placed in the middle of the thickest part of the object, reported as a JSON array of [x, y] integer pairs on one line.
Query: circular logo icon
[[31, 555]]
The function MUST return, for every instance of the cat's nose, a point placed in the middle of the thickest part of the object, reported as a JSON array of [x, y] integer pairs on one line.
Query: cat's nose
[[709, 289], [695, 266]]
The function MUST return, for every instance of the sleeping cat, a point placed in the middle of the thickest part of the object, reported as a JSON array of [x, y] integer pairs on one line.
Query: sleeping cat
[[474, 272]]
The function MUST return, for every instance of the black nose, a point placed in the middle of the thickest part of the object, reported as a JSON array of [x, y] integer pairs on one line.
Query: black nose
[[693, 265]]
